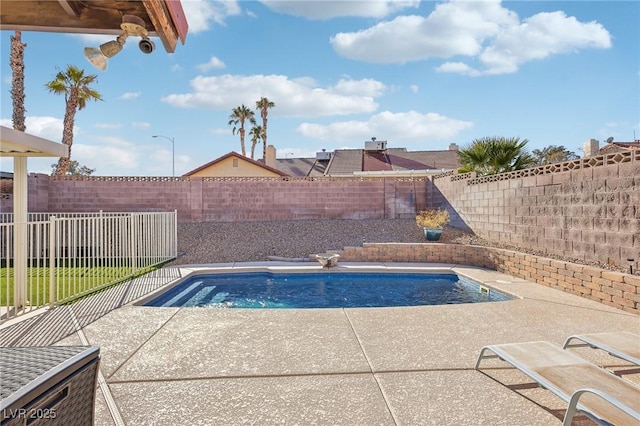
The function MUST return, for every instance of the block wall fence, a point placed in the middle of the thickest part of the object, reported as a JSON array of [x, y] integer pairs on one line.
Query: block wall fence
[[587, 209], [231, 199], [611, 288]]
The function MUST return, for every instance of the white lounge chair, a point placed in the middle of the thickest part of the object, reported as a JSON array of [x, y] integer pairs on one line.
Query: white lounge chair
[[587, 388], [621, 344]]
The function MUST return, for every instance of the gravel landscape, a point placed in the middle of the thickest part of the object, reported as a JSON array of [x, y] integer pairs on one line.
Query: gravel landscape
[[222, 242]]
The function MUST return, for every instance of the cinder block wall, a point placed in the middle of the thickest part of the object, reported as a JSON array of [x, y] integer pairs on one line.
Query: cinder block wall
[[233, 199], [611, 288], [586, 209]]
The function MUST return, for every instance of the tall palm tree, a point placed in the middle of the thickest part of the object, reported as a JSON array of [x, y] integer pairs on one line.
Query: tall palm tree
[[256, 133], [492, 155], [238, 116], [263, 105], [17, 84], [75, 86]]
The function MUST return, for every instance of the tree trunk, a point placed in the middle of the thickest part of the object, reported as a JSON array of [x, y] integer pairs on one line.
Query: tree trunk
[[17, 85], [244, 151], [67, 132], [264, 138]]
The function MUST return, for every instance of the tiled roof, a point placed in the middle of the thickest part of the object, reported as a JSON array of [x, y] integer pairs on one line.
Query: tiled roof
[[295, 166], [375, 161], [345, 162], [301, 166], [620, 146], [401, 159]]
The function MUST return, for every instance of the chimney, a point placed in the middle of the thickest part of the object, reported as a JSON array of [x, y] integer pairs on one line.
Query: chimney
[[271, 156], [453, 147], [590, 148]]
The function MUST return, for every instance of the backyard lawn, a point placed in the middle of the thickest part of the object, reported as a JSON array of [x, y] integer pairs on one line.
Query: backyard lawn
[[70, 281]]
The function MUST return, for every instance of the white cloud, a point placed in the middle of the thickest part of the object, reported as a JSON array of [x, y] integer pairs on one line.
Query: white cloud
[[93, 40], [414, 88], [111, 153], [110, 126], [44, 127], [140, 125], [457, 67], [176, 67], [129, 95], [293, 97], [201, 14], [403, 126], [220, 131], [482, 30], [327, 9], [214, 63], [365, 87], [540, 36]]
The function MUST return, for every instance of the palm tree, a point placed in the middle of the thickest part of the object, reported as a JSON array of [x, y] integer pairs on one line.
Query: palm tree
[[263, 105], [256, 133], [17, 85], [239, 115], [553, 154], [491, 155], [77, 91]]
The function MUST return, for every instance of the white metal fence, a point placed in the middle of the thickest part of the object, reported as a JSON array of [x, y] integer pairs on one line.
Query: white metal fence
[[56, 257]]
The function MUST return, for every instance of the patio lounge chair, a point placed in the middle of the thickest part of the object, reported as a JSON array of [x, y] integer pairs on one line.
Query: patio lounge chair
[[587, 388], [620, 344]]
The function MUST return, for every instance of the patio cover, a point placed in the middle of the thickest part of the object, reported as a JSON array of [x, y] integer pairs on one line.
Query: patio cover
[[20, 146]]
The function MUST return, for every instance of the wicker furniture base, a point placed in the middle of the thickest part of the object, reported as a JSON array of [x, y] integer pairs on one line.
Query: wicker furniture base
[[53, 385]]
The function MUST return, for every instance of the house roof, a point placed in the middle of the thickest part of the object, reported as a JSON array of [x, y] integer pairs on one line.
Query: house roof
[[240, 157], [295, 166], [163, 18], [345, 162], [350, 161], [617, 146], [401, 159], [375, 161]]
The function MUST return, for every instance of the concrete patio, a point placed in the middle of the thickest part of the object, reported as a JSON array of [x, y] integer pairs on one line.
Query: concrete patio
[[355, 366]]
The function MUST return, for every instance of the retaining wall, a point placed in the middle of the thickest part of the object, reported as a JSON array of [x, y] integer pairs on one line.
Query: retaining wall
[[587, 209], [611, 288]]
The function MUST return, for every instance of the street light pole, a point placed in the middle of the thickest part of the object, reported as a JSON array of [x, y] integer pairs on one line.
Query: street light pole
[[173, 151]]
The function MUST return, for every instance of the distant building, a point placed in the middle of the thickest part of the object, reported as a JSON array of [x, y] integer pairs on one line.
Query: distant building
[[235, 165], [374, 160], [591, 147]]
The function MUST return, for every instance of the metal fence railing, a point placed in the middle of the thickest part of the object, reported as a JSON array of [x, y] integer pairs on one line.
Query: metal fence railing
[[51, 259]]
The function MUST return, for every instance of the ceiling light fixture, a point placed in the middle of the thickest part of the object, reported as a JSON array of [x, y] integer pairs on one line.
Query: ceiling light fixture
[[131, 26]]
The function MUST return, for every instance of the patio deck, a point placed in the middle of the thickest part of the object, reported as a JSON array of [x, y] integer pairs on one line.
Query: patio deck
[[355, 366]]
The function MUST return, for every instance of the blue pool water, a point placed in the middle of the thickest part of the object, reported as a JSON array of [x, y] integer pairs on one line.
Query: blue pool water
[[324, 290]]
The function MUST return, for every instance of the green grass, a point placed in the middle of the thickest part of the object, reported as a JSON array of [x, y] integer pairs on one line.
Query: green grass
[[72, 281]]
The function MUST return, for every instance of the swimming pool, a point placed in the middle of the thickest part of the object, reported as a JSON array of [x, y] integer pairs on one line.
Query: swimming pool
[[324, 290]]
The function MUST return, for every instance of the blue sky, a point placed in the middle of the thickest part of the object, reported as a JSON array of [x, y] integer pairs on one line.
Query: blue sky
[[420, 75]]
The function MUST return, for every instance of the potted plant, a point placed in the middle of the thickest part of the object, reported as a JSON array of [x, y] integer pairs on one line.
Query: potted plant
[[432, 221]]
